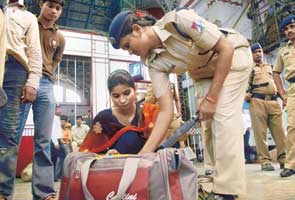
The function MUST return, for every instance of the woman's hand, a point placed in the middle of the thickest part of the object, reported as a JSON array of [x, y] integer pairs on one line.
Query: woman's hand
[[112, 152], [207, 110], [96, 128]]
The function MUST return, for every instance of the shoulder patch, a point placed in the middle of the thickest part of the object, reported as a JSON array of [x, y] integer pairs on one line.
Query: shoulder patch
[[198, 25]]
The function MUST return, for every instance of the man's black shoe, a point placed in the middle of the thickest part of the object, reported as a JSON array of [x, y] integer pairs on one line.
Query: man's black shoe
[[3, 97], [287, 172]]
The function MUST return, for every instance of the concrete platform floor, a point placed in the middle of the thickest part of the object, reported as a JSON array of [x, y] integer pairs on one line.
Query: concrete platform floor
[[260, 185]]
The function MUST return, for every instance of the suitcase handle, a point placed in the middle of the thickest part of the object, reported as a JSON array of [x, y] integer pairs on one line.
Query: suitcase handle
[[129, 173]]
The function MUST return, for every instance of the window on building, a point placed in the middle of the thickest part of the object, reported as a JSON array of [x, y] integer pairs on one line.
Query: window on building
[[72, 88]]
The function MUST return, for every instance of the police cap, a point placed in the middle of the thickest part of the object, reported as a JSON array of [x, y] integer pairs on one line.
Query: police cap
[[116, 28], [255, 46], [286, 21]]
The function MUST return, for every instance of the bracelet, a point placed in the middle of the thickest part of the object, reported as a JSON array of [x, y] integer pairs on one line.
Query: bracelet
[[210, 99]]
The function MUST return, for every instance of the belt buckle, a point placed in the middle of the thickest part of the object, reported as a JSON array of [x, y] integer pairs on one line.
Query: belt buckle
[[267, 97]]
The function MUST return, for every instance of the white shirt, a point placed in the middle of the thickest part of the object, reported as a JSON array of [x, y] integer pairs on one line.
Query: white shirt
[[79, 133], [56, 130]]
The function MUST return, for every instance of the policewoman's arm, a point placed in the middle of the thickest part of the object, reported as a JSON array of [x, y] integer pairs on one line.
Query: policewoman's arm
[[162, 123], [224, 60]]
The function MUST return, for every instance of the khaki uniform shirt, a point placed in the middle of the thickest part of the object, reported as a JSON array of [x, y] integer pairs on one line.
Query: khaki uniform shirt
[[53, 45], [23, 41], [262, 73], [286, 60], [179, 52], [2, 46]]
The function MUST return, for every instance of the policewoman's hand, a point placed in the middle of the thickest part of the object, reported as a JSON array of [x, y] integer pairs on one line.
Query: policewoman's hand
[[207, 109]]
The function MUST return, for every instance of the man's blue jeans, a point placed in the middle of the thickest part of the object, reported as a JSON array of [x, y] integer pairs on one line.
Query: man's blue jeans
[[10, 118], [43, 114], [13, 117]]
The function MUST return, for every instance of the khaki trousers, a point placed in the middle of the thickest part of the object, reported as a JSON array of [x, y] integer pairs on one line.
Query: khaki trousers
[[207, 136], [267, 114], [290, 141], [201, 89], [226, 140]]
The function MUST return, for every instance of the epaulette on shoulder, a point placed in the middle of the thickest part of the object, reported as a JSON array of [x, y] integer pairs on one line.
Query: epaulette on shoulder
[[283, 45]]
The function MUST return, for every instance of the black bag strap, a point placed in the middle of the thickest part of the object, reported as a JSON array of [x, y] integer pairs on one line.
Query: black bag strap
[[183, 34]]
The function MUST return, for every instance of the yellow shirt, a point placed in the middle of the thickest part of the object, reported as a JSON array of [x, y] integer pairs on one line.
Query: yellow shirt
[[23, 41]]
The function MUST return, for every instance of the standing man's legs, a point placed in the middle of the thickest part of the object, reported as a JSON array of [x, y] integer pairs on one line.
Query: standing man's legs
[[290, 144], [277, 130], [259, 119], [11, 115], [43, 168]]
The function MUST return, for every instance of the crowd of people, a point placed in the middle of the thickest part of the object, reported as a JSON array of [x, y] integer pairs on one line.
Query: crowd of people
[[220, 61]]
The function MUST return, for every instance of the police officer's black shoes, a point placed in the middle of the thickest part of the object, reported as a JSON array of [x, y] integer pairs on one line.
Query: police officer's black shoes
[[287, 172], [267, 167], [3, 97]]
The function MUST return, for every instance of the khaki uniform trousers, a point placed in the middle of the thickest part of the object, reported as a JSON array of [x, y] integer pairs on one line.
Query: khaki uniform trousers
[[202, 88], [267, 114], [227, 136], [290, 141]]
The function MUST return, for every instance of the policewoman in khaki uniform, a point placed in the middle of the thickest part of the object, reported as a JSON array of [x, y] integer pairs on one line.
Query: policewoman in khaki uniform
[[286, 61], [183, 41], [265, 111]]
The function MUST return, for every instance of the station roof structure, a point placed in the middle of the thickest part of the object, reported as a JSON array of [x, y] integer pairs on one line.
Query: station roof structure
[[96, 15]]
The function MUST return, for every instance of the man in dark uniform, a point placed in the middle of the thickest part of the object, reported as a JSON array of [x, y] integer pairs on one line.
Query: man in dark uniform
[[265, 110]]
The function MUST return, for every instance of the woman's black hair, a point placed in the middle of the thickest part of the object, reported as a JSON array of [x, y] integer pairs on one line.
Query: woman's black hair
[[139, 17], [120, 76]]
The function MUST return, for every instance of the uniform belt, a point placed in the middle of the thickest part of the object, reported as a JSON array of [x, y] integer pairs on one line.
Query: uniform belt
[[291, 80], [266, 97], [260, 85], [225, 33]]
